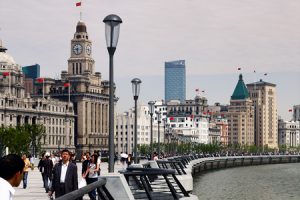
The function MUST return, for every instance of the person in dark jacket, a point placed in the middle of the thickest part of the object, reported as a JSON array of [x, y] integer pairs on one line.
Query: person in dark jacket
[[65, 178], [47, 164], [41, 168]]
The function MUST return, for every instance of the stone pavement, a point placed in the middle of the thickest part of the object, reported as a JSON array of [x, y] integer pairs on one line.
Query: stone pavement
[[35, 190]]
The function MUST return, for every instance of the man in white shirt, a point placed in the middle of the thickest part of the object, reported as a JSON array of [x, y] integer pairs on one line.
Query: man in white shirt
[[65, 178], [11, 174]]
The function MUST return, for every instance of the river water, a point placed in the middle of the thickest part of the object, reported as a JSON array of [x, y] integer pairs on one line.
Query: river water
[[262, 182]]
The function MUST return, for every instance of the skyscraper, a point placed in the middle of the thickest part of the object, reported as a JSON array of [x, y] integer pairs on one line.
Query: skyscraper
[[263, 95], [175, 80], [31, 73]]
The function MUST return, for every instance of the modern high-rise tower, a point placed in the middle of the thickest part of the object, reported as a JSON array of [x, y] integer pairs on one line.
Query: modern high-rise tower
[[263, 95], [175, 80]]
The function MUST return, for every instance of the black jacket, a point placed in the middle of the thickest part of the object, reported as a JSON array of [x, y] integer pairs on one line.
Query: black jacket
[[71, 180]]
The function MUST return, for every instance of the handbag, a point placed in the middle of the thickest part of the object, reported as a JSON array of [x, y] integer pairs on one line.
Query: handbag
[[82, 183]]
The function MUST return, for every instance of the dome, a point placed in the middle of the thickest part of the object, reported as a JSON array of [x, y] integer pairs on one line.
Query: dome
[[81, 27], [6, 59]]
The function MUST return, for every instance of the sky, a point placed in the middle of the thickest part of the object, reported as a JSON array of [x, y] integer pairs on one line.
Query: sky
[[214, 37]]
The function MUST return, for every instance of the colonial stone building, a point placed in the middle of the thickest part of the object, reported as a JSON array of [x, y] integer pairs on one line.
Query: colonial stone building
[[289, 133], [16, 108], [84, 87], [240, 116], [263, 95]]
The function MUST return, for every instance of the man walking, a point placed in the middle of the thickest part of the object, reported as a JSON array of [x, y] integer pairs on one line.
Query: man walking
[[47, 164], [11, 173], [26, 169], [64, 176]]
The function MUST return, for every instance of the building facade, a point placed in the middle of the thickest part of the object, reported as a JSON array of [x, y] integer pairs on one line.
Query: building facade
[[296, 112], [85, 89], [175, 84], [16, 108], [263, 95], [240, 116], [30, 74], [289, 133], [124, 138]]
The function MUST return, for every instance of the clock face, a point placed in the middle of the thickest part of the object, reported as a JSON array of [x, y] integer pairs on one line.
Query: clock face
[[88, 49], [77, 49]]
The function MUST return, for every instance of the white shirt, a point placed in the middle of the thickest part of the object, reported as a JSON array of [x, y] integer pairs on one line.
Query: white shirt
[[63, 173], [6, 190], [92, 173]]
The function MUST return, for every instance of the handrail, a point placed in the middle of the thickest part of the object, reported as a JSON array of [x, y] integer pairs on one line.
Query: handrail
[[154, 183], [177, 165], [102, 191]]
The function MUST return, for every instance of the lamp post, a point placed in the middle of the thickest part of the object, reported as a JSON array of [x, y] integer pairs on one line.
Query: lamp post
[[158, 132], [112, 29], [151, 110], [135, 91]]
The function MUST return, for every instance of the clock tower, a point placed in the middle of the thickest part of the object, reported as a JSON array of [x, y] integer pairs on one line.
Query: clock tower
[[81, 60]]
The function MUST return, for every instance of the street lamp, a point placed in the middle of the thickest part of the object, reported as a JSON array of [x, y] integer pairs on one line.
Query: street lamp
[[135, 91], [112, 29], [158, 133], [151, 110]]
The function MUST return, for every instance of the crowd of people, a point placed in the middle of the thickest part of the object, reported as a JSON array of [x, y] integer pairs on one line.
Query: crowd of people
[[58, 171]]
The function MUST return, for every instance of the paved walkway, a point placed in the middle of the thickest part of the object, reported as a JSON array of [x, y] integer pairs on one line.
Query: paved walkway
[[35, 190]]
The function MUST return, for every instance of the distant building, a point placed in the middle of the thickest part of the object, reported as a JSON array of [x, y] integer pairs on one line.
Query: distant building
[[296, 112], [289, 133], [124, 140], [263, 95], [32, 71], [175, 84], [30, 74], [16, 108], [240, 116], [86, 91]]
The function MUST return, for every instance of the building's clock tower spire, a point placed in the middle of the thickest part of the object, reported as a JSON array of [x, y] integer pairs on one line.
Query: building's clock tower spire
[[81, 60]]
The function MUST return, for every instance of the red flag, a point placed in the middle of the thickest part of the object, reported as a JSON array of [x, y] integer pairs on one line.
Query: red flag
[[239, 68], [5, 73], [171, 118], [204, 113], [78, 4], [192, 116], [290, 110], [40, 80], [66, 84]]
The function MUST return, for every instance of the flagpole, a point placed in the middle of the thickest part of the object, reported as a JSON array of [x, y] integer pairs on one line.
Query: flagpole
[[80, 10], [9, 84], [43, 88], [69, 95]]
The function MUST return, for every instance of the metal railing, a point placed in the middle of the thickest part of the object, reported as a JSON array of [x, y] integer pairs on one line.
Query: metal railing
[[99, 185], [153, 183], [169, 164]]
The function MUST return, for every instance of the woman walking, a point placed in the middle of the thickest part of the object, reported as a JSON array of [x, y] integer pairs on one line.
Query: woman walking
[[91, 175]]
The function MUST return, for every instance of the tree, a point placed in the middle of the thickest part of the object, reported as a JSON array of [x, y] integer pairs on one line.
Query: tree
[[36, 132], [22, 138]]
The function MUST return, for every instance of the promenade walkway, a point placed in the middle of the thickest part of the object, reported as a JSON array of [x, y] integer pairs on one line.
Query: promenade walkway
[[35, 190]]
